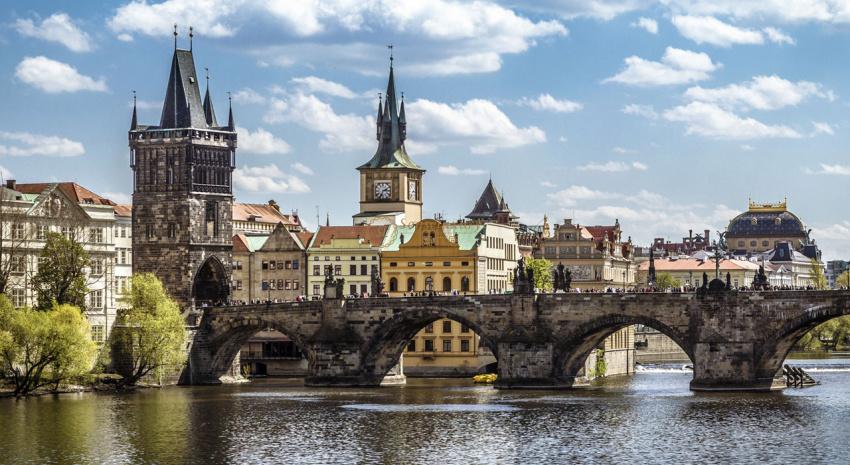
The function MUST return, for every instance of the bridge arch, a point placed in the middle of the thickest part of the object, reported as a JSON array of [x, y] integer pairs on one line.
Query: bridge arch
[[774, 353], [381, 352], [573, 348], [229, 339]]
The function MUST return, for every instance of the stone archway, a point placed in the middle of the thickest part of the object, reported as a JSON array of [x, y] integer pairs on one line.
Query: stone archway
[[211, 285], [572, 349]]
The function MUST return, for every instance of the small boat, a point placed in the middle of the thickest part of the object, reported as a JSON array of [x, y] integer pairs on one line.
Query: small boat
[[489, 378]]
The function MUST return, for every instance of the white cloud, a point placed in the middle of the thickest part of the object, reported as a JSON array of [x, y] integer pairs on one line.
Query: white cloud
[[822, 128], [261, 142], [119, 197], [268, 178], [647, 24], [146, 104], [247, 96], [317, 85], [760, 93], [834, 239], [208, 17], [54, 76], [341, 132], [676, 67], [545, 102], [778, 37], [623, 151], [571, 195], [124, 37], [56, 28], [302, 168], [613, 167], [747, 147], [789, 11], [548, 184], [839, 170], [597, 9], [710, 30], [451, 170], [647, 111], [710, 120], [478, 123], [563, 139], [25, 144], [472, 63]]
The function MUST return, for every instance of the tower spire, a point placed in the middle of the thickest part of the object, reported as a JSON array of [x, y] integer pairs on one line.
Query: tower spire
[[379, 121], [191, 35], [134, 120], [209, 112], [175, 36], [230, 125]]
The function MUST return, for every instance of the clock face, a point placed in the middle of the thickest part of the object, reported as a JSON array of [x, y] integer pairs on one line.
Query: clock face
[[382, 190], [411, 190]]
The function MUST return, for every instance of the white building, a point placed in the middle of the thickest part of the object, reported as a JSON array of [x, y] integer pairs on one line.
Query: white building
[[30, 211]]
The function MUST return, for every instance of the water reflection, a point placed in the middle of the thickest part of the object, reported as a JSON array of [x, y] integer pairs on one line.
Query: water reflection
[[648, 418]]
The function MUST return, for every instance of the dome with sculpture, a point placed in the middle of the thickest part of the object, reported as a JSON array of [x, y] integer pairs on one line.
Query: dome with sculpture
[[763, 225]]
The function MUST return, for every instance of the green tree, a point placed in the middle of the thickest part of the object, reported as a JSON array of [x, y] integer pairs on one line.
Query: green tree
[[150, 334], [818, 278], [61, 278], [666, 281], [843, 280], [542, 272], [42, 349]]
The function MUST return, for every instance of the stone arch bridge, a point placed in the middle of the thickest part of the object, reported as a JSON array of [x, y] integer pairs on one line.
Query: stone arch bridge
[[736, 340]]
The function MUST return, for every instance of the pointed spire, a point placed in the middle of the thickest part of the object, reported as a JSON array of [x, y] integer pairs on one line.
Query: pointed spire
[[209, 113], [230, 125], [175, 36], [134, 121], [183, 107], [327, 218], [191, 35], [379, 120]]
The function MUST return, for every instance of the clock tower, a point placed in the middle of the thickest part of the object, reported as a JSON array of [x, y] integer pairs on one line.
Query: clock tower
[[390, 183]]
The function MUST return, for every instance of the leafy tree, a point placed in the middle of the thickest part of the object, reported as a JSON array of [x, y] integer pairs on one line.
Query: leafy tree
[[150, 334], [542, 272], [666, 281], [818, 278], [44, 348], [60, 277], [843, 280]]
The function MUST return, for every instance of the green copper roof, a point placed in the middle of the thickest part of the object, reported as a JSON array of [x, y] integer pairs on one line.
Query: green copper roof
[[467, 235], [256, 242]]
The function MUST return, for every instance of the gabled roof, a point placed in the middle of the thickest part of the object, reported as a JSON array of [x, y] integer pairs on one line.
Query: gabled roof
[[304, 237], [374, 235], [262, 213], [72, 190], [391, 133], [209, 112], [245, 243], [123, 210], [467, 235], [183, 107], [488, 203]]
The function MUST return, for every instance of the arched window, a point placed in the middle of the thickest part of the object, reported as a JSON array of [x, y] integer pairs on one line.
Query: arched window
[[447, 284], [393, 285], [411, 284], [464, 284]]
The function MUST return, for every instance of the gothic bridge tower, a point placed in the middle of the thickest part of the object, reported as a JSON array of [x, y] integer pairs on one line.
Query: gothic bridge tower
[[182, 191], [390, 182]]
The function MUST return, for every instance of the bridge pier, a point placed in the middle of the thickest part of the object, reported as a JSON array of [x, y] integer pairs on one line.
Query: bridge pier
[[527, 365], [731, 366]]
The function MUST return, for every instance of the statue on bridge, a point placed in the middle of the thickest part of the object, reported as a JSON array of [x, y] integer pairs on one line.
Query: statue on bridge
[[377, 284], [563, 278], [333, 286], [523, 278], [760, 282]]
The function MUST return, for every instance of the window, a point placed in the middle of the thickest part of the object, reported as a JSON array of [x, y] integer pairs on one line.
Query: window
[[447, 345], [315, 289], [364, 269], [464, 328], [752, 243], [464, 263], [352, 270], [316, 271], [765, 243], [338, 270], [96, 299], [265, 285], [96, 266], [337, 258], [97, 333], [411, 263], [18, 231], [364, 289], [281, 284], [447, 263], [272, 265], [429, 345], [123, 231], [549, 251], [295, 284], [296, 264], [393, 264], [352, 289], [212, 219], [287, 265], [272, 285], [148, 231], [464, 345], [353, 259], [447, 326], [172, 230], [41, 232], [429, 328], [68, 232], [740, 243], [237, 265], [429, 263], [18, 297], [411, 345], [18, 264], [96, 235], [265, 265], [411, 284], [464, 284], [375, 270], [238, 284]]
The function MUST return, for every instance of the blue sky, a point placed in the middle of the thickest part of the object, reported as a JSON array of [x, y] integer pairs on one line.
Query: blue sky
[[666, 115]]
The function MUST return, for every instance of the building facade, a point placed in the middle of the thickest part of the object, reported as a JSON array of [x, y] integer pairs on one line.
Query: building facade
[[182, 191], [269, 267], [763, 226], [349, 252], [28, 212], [258, 218], [390, 182], [688, 271], [834, 269]]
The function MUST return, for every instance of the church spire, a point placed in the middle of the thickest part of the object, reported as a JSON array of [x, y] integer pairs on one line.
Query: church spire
[[183, 107], [230, 125], [134, 122], [209, 113]]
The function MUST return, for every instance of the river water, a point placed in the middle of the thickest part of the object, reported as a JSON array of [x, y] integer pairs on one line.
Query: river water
[[651, 417]]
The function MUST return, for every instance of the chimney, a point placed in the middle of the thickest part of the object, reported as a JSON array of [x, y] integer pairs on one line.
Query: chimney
[[274, 205], [11, 184], [707, 232], [690, 234]]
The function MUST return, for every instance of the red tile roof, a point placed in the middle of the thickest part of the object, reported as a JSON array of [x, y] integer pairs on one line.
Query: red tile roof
[[373, 234], [240, 243], [73, 190], [123, 210], [304, 237], [262, 213], [685, 264]]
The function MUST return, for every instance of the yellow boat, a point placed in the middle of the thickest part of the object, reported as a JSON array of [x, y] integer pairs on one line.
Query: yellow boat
[[485, 379]]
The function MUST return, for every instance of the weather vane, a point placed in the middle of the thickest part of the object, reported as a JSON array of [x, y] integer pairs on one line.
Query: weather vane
[[390, 47]]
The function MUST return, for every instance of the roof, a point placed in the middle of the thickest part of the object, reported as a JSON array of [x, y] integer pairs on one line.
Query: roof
[[766, 224], [374, 235], [304, 237], [72, 190], [123, 210], [488, 204], [245, 243], [262, 213], [391, 133], [693, 264], [467, 235], [182, 107]]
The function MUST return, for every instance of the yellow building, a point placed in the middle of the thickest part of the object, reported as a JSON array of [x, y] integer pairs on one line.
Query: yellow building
[[351, 252]]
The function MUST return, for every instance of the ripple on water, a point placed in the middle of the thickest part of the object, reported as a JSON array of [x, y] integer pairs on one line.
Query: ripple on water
[[451, 408]]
